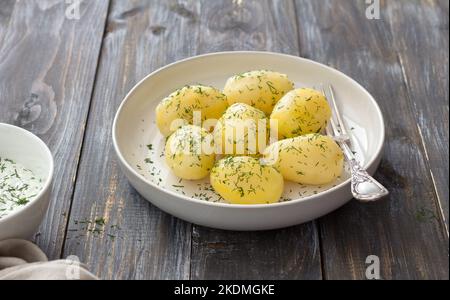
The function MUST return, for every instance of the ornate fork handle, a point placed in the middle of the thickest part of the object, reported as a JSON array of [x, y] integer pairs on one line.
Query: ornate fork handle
[[364, 187]]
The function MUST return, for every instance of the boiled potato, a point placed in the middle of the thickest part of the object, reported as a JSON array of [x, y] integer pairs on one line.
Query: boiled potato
[[244, 180], [242, 130], [310, 159], [300, 112], [190, 152], [260, 89], [181, 105]]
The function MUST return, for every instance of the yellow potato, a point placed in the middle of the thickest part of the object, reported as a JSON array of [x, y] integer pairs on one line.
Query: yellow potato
[[243, 180], [260, 89], [310, 159], [189, 152], [242, 130], [181, 105], [300, 112]]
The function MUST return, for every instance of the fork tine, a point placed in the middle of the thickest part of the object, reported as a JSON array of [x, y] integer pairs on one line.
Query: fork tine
[[332, 125], [331, 129], [340, 122], [328, 129]]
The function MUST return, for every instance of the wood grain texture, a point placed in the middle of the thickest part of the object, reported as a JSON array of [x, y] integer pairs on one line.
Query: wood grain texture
[[292, 253], [405, 230], [137, 240], [420, 33], [50, 70], [47, 68]]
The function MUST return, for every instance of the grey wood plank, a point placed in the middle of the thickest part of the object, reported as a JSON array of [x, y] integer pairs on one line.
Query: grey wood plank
[[420, 33], [404, 231], [292, 253], [47, 69], [131, 239]]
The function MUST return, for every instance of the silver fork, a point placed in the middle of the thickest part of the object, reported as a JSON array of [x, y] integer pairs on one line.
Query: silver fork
[[363, 186]]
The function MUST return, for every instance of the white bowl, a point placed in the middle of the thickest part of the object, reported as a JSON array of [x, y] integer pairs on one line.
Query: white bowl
[[134, 128], [28, 150]]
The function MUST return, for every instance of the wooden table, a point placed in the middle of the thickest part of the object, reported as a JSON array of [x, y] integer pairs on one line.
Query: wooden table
[[63, 78]]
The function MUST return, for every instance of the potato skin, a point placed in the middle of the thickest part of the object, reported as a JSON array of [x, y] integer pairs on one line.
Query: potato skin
[[260, 89], [311, 159], [181, 104], [301, 111], [187, 152], [244, 180], [228, 127]]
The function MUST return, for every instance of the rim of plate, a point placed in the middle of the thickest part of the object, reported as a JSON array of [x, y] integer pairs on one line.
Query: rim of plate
[[50, 173], [229, 205]]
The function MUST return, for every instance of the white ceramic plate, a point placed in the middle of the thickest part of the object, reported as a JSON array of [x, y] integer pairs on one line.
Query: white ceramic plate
[[139, 145]]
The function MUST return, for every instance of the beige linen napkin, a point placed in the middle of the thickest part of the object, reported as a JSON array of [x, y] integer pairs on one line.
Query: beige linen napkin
[[21, 259]]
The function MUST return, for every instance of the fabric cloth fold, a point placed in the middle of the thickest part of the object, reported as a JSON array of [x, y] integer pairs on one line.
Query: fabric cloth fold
[[23, 260]]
